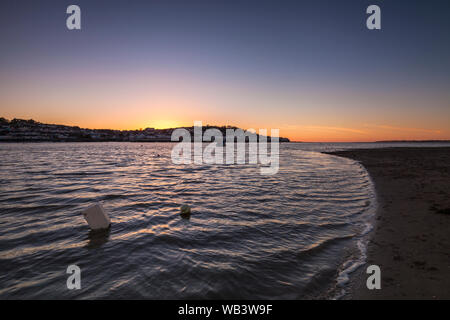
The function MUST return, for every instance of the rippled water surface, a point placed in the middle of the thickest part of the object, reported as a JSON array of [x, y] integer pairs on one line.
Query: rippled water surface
[[250, 236]]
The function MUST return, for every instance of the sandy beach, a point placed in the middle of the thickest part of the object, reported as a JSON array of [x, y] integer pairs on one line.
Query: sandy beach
[[411, 238]]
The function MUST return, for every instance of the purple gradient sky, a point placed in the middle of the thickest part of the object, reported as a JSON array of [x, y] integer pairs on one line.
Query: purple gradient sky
[[309, 68]]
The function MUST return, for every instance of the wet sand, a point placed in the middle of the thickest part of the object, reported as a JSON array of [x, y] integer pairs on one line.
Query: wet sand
[[411, 238]]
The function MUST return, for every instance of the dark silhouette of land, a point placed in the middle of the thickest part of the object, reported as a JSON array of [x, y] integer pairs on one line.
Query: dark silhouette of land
[[19, 130]]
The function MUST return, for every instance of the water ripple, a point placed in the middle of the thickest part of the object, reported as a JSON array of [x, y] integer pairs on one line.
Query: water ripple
[[250, 236]]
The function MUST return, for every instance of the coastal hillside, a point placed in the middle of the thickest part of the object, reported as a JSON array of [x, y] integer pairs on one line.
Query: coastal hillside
[[19, 130]]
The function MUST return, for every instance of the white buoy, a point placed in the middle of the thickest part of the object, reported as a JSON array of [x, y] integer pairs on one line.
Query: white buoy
[[96, 217]]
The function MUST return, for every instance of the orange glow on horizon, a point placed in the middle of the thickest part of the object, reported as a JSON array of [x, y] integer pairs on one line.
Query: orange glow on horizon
[[300, 133], [303, 111], [164, 124]]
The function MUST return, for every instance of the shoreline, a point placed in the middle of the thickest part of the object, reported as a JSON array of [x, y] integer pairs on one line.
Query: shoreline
[[410, 239]]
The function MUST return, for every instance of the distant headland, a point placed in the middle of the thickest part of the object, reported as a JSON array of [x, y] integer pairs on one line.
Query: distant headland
[[411, 141], [19, 130]]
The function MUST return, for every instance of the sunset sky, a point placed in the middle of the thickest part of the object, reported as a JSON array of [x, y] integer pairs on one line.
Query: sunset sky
[[310, 68]]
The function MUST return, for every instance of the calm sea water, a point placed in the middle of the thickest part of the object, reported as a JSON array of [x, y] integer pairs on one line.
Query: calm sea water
[[287, 236]]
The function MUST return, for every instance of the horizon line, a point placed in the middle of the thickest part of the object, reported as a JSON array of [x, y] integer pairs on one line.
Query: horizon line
[[234, 126]]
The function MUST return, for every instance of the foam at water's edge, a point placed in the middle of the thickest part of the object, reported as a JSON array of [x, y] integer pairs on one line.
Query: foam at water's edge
[[352, 265], [358, 260]]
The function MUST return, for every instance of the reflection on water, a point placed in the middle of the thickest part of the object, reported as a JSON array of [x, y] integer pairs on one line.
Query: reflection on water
[[249, 236], [97, 238]]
